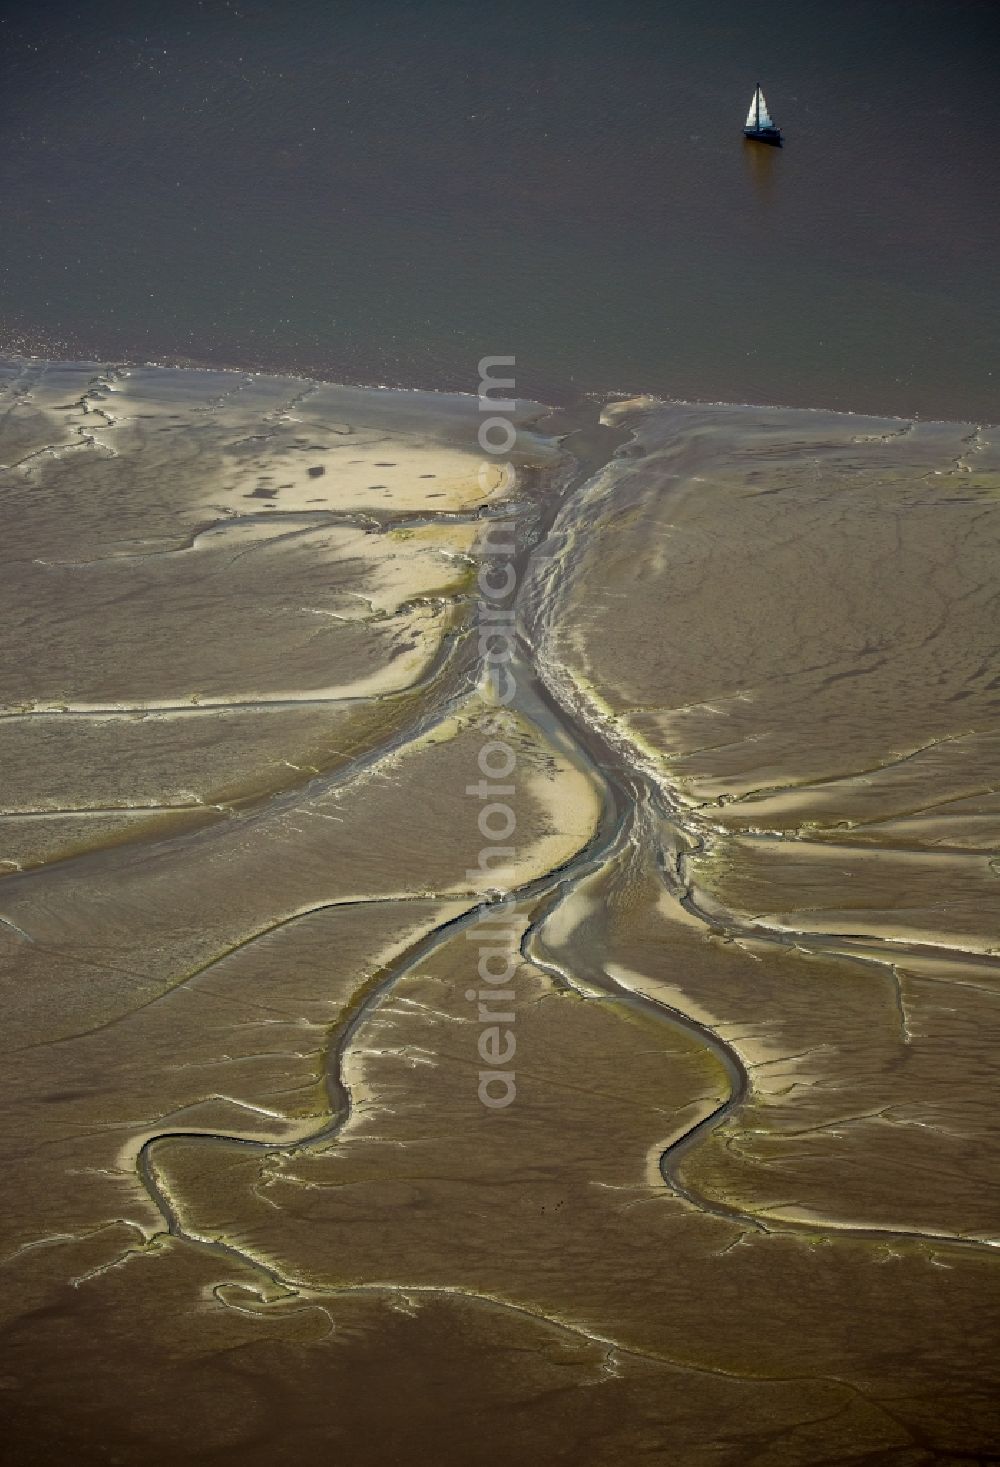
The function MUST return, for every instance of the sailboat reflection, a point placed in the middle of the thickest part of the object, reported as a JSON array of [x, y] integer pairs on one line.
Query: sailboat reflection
[[761, 164]]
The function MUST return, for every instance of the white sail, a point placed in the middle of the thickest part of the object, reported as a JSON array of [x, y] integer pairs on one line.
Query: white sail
[[758, 116]]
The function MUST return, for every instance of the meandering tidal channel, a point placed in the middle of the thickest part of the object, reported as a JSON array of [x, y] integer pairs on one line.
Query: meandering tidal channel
[[754, 890]]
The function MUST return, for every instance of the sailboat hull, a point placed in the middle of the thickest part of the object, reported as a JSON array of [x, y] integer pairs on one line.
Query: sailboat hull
[[770, 135]]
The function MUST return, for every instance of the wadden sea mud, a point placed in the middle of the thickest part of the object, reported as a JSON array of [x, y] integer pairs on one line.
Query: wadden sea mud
[[743, 1208]]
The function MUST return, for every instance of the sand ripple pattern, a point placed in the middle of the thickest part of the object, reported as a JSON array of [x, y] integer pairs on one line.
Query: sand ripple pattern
[[743, 1209]]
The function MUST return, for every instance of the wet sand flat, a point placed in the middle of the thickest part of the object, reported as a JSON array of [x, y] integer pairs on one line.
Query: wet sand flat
[[743, 1208]]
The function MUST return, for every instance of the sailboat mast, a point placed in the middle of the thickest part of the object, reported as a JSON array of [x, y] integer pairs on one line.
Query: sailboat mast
[[759, 124]]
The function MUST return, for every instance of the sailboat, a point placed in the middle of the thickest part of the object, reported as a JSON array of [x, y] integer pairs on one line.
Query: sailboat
[[758, 124]]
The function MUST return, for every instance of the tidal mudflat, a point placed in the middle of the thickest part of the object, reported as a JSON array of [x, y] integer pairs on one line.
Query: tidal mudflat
[[743, 1209]]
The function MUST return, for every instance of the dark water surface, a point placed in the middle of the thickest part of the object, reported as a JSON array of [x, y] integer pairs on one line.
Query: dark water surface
[[387, 191]]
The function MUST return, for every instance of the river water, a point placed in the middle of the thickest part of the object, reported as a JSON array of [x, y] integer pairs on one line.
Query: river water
[[386, 192]]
